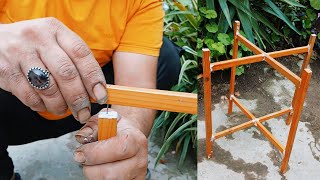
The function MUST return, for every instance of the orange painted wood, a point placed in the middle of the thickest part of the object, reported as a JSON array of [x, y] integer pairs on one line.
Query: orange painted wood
[[301, 95], [272, 139], [243, 108], [233, 129], [288, 52], [236, 62], [306, 61], [236, 27], [107, 125], [275, 114], [249, 45], [152, 99], [207, 99], [283, 70]]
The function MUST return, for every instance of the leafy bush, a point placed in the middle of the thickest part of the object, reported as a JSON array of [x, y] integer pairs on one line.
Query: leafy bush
[[180, 129]]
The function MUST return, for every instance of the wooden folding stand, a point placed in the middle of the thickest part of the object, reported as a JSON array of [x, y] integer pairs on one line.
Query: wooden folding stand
[[143, 98], [294, 112]]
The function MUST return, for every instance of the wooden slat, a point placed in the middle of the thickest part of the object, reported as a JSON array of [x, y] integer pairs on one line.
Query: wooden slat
[[152, 99], [301, 95], [250, 45], [207, 99], [283, 70], [243, 108], [312, 39], [107, 125], [275, 114], [288, 52], [233, 129], [236, 62], [272, 139], [236, 27]]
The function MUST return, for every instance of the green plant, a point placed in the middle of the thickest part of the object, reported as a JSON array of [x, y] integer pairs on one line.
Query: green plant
[[179, 129]]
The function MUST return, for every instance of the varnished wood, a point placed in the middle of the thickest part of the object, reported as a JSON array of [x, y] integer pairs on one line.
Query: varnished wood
[[107, 125], [236, 62], [272, 139], [250, 45], [243, 108], [301, 95], [288, 52], [207, 99], [275, 114]]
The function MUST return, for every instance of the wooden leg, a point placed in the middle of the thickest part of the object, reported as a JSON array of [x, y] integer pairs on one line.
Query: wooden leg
[[301, 95], [207, 99], [236, 29]]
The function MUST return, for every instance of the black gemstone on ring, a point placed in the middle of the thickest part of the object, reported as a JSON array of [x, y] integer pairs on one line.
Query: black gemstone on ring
[[38, 78]]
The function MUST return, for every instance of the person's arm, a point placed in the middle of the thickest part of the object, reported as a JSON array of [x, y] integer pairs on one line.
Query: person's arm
[[136, 70]]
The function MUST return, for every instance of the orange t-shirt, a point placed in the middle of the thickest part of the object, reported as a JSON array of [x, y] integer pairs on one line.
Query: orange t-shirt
[[105, 25]]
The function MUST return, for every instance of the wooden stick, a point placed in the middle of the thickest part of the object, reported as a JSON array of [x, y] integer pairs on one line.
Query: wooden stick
[[207, 99], [236, 27], [275, 114], [301, 95], [107, 125], [152, 99], [272, 139], [236, 62], [283, 70], [250, 45], [288, 52], [233, 129], [243, 108]]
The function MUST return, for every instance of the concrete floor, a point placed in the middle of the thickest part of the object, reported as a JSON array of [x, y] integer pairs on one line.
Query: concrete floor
[[52, 159], [247, 154]]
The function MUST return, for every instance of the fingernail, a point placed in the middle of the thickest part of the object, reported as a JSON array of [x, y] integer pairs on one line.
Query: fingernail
[[83, 115], [100, 92], [79, 157], [83, 134]]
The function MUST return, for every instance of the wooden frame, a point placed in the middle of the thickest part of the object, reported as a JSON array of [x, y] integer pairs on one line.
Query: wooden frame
[[301, 83]]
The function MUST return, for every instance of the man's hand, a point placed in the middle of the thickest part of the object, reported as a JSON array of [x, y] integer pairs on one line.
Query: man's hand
[[122, 157], [48, 44]]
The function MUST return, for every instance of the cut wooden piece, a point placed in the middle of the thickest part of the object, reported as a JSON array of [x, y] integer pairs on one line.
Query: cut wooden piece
[[306, 61], [236, 27], [233, 129], [107, 125], [272, 139], [236, 62], [275, 114], [243, 108], [288, 52], [301, 95], [207, 99], [152, 99], [250, 45], [284, 71]]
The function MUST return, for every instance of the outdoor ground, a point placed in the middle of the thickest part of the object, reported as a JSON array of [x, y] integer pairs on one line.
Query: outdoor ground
[[53, 160], [247, 154]]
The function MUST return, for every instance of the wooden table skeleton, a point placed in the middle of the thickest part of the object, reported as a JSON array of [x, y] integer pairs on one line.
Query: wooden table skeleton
[[294, 112]]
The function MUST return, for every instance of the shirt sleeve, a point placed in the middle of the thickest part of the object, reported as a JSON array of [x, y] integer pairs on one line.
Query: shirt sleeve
[[144, 30]]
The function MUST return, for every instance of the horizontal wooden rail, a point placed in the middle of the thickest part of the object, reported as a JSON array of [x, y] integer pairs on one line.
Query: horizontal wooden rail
[[233, 129], [249, 44], [243, 108], [272, 139], [236, 62], [275, 114], [284, 71], [288, 52], [152, 99]]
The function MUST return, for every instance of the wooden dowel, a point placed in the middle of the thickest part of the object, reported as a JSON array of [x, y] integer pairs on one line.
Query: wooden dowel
[[243, 108], [233, 129], [107, 125], [275, 114], [207, 99], [250, 45], [272, 139], [236, 62], [283, 70], [301, 95], [152, 99], [236, 27], [288, 52]]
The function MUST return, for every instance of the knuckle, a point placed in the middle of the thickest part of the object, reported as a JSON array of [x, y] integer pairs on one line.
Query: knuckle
[[79, 101], [93, 74], [15, 77], [32, 99], [51, 92], [80, 49], [67, 72], [5, 69], [53, 24]]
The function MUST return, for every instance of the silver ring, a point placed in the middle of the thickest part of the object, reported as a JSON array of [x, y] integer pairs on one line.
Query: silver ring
[[38, 78]]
